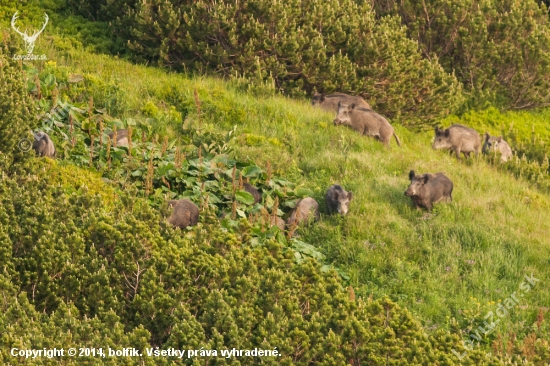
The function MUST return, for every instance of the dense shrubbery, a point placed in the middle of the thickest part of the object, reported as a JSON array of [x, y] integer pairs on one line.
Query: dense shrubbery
[[16, 114], [121, 277], [299, 46], [499, 49]]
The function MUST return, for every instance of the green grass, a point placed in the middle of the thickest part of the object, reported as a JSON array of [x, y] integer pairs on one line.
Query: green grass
[[461, 257]]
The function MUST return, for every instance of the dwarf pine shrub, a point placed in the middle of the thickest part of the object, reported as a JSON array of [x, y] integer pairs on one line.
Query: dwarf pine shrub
[[16, 118], [122, 277], [498, 49], [298, 47]]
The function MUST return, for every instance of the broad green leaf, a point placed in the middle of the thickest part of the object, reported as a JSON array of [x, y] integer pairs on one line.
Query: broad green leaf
[[244, 197], [251, 171]]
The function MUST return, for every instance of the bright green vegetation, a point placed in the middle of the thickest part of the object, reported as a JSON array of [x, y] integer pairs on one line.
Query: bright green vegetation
[[528, 133], [452, 263], [443, 270], [411, 59]]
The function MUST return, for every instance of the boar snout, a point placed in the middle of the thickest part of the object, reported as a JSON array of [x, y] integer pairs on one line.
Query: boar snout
[[336, 121], [410, 191]]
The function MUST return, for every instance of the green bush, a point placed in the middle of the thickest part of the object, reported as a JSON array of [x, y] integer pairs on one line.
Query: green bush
[[122, 277], [16, 110], [499, 49], [298, 47]]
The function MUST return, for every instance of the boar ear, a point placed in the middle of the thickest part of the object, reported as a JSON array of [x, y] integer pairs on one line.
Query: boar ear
[[425, 178], [436, 129], [447, 132], [411, 175], [499, 139], [487, 136], [321, 98], [352, 106], [350, 196]]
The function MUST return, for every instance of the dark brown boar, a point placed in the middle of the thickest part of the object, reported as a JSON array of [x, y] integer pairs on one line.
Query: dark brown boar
[[427, 189], [185, 213], [330, 102], [366, 122], [338, 200], [458, 139]]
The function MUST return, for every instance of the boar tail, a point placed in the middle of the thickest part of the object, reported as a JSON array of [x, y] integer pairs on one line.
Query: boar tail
[[397, 139]]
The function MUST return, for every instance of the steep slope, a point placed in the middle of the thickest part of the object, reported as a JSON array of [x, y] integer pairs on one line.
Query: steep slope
[[457, 262]]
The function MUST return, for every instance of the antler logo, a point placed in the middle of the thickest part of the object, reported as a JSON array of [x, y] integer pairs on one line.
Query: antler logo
[[29, 40]]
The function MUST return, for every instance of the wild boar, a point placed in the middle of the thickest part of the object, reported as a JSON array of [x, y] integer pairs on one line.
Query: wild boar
[[366, 122], [306, 209], [497, 144], [427, 189], [253, 191], [458, 139], [330, 102], [121, 137], [43, 145], [185, 213], [338, 200]]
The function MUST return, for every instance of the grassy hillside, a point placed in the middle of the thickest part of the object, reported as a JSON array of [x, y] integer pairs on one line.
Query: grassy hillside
[[457, 262]]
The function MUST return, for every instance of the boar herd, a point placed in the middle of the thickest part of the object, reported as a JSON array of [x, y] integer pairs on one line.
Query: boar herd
[[357, 114], [461, 139], [354, 112], [185, 213]]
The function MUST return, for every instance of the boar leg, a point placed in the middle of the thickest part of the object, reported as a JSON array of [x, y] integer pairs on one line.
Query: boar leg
[[457, 151]]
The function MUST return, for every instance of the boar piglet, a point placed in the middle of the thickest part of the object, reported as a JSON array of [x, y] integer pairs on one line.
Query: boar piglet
[[427, 189], [338, 200], [253, 191], [497, 144], [121, 137]]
